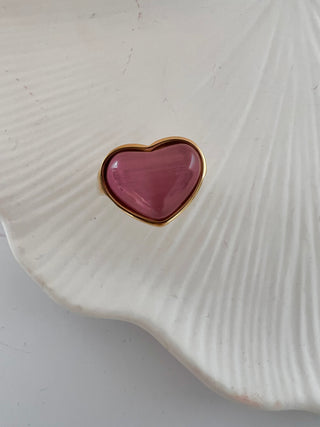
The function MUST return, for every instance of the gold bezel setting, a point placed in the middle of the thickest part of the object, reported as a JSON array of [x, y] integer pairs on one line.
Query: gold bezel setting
[[145, 148]]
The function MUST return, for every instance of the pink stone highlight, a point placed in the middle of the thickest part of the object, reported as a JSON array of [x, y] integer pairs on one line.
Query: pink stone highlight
[[154, 184]]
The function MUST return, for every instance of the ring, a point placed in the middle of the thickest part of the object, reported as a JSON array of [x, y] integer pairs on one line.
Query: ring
[[154, 183]]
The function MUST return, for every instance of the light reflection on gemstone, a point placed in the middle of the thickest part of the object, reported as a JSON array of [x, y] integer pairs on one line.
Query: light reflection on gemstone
[[154, 184]]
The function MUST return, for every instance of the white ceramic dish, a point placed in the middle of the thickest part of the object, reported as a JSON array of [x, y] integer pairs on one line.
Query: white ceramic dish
[[231, 287]]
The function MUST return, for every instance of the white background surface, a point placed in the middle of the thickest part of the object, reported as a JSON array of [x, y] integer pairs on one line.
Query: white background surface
[[63, 370]]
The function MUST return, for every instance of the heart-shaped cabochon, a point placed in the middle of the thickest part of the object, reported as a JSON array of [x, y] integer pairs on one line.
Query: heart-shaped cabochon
[[155, 182]]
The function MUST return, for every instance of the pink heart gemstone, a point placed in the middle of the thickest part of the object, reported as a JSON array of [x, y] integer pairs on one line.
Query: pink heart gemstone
[[154, 183]]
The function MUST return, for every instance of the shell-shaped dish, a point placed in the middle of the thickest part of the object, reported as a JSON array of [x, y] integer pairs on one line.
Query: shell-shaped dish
[[232, 286]]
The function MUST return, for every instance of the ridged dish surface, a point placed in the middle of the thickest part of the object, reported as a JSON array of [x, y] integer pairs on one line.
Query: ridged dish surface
[[232, 286]]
